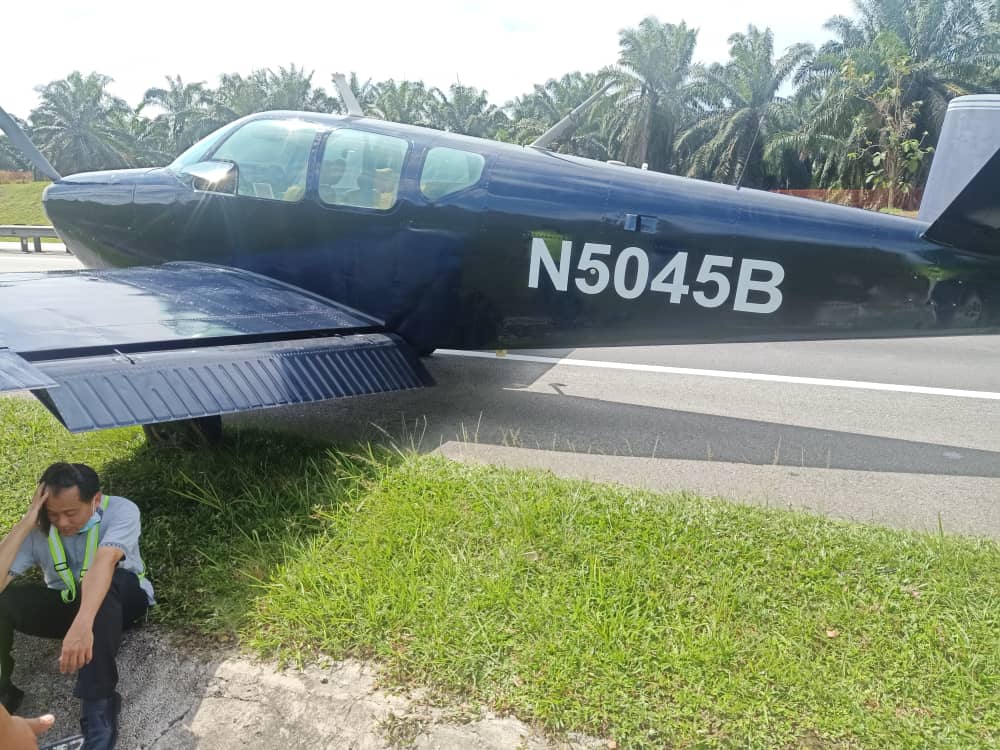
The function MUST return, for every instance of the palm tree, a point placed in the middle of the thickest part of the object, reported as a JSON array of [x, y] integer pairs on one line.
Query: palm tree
[[467, 111], [649, 107], [11, 158], [407, 102], [534, 113], [262, 90], [185, 118], [739, 108], [291, 88], [800, 156], [952, 45], [79, 126], [947, 48]]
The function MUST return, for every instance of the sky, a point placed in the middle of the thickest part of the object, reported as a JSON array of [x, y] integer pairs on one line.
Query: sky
[[504, 46]]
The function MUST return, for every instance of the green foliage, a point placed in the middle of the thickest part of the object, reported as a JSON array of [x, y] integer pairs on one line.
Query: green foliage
[[660, 621], [739, 110], [22, 203], [650, 103], [534, 113], [877, 76], [713, 121]]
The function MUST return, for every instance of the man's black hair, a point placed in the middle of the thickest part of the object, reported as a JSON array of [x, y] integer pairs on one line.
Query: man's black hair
[[61, 476]]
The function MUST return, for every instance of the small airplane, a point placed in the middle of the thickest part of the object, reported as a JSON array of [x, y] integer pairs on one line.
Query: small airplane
[[291, 257]]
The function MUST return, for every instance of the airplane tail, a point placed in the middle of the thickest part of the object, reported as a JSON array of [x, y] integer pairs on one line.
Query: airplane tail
[[962, 199]]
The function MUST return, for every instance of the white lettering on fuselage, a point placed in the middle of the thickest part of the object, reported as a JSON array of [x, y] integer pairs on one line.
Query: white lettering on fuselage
[[630, 276]]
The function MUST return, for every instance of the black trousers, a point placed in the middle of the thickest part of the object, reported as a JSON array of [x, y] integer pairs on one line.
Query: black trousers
[[40, 611]]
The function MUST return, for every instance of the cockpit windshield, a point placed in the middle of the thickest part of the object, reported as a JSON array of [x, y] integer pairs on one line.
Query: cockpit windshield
[[196, 153], [272, 156]]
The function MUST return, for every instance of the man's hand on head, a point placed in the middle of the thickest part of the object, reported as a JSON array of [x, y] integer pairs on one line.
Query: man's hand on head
[[38, 501]]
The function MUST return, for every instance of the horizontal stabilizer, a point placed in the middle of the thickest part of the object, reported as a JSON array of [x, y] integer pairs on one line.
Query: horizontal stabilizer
[[118, 390], [972, 220]]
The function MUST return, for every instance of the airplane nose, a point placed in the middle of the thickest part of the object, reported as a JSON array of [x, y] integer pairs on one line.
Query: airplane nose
[[93, 213]]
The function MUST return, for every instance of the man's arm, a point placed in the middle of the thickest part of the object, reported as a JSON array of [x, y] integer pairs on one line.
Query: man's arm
[[15, 538], [78, 645]]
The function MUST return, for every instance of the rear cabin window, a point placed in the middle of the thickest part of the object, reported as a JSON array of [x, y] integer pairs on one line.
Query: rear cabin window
[[448, 170], [272, 156], [361, 170]]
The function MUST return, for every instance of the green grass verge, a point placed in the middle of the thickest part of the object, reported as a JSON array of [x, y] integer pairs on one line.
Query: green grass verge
[[899, 212], [659, 621], [21, 203]]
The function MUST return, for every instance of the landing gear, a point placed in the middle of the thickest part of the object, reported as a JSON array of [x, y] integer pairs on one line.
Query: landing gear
[[970, 313], [200, 432]]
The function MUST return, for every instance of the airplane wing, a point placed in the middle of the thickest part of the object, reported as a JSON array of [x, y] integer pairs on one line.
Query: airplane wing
[[108, 348]]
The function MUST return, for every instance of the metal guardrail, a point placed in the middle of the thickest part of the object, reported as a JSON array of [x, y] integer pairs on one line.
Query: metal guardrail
[[24, 232]]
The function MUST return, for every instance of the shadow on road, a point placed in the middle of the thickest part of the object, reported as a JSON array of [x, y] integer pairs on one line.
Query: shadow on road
[[479, 401]]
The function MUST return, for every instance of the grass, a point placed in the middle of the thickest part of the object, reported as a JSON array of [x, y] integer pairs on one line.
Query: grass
[[899, 212], [21, 203], [659, 621]]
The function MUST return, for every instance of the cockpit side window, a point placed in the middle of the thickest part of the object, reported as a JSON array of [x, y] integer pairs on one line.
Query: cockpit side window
[[272, 156], [361, 170], [448, 170]]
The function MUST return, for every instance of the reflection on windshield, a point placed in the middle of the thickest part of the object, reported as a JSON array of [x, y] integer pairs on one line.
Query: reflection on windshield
[[197, 152]]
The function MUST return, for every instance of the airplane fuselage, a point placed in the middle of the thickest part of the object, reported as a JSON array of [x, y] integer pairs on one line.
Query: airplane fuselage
[[544, 249]]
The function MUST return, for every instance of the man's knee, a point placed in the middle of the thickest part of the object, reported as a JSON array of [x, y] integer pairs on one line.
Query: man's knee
[[122, 584], [15, 602], [7, 605], [124, 591]]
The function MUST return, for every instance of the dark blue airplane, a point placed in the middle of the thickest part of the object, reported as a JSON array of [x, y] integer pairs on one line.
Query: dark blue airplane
[[291, 257]]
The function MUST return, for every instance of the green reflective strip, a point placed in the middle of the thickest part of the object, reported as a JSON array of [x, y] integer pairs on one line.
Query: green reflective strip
[[58, 553]]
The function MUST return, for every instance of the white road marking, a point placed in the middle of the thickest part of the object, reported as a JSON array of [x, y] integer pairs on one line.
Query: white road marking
[[665, 370]]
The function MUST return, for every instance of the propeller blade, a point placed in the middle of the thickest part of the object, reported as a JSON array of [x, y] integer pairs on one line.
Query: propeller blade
[[26, 147]]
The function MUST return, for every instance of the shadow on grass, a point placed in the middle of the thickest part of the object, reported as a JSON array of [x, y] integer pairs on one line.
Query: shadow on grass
[[216, 523]]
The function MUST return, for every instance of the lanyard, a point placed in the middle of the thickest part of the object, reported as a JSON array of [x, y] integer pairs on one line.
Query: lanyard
[[58, 553]]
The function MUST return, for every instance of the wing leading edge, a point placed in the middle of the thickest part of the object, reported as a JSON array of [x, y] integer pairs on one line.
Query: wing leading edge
[[142, 345]]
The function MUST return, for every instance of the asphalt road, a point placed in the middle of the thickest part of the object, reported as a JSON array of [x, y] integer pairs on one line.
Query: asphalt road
[[904, 432]]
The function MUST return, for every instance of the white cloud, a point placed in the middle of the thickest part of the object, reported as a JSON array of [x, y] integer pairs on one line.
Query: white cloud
[[502, 47]]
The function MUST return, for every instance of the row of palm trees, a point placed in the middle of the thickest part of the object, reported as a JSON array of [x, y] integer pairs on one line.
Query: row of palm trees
[[865, 109]]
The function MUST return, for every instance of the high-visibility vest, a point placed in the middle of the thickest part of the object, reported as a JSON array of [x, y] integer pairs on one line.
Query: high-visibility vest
[[58, 553]]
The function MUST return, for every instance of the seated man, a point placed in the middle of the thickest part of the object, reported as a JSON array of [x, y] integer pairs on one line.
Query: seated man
[[87, 545], [386, 182], [330, 174]]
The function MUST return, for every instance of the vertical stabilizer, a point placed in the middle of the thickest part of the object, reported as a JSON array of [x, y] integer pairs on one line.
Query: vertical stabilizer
[[962, 198]]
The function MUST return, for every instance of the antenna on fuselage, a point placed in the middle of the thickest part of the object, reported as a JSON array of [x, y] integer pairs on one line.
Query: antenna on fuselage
[[743, 167], [570, 120], [23, 144], [347, 96]]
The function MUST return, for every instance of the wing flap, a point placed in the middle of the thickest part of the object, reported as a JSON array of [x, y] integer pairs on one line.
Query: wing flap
[[116, 390]]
